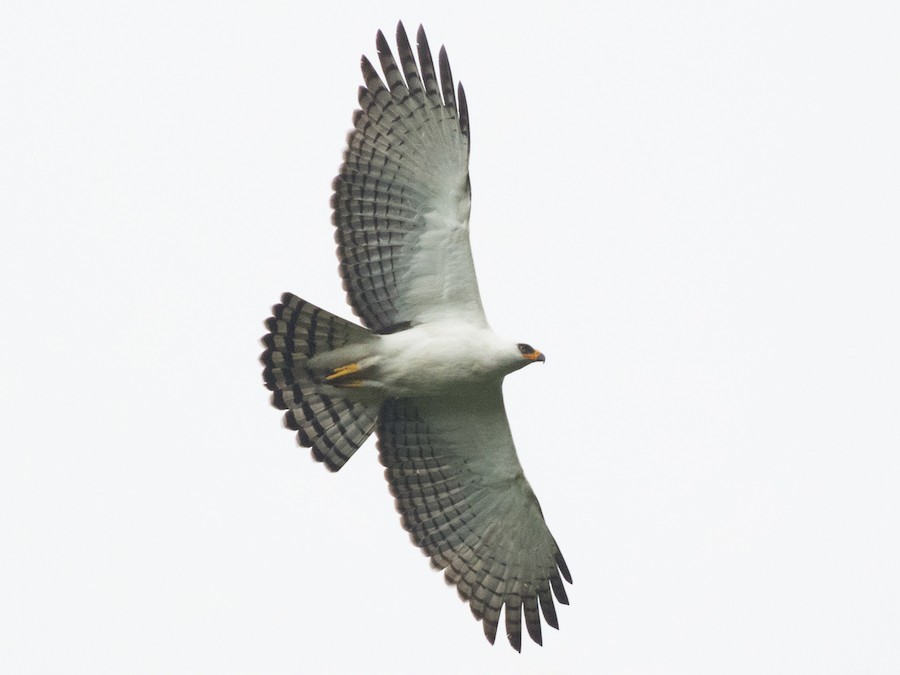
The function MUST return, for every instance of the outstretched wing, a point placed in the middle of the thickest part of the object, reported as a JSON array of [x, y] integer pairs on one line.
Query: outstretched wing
[[401, 200], [453, 470]]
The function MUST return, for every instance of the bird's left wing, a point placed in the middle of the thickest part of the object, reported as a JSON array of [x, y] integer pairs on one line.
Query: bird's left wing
[[452, 467], [401, 200]]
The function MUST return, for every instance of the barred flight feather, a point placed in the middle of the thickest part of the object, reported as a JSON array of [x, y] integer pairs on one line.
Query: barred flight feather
[[331, 425], [484, 528], [406, 156]]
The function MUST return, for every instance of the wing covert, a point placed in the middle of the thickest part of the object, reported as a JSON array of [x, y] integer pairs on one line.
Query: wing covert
[[402, 197], [453, 470]]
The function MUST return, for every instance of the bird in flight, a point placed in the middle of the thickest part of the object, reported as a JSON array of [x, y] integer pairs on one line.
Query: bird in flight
[[425, 374]]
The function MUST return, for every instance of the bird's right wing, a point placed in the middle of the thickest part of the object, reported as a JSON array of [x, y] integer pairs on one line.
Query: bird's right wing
[[452, 467], [401, 200]]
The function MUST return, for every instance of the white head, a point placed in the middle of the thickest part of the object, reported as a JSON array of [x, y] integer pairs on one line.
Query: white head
[[525, 354]]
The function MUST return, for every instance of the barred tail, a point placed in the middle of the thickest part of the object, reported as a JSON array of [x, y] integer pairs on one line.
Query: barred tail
[[325, 420]]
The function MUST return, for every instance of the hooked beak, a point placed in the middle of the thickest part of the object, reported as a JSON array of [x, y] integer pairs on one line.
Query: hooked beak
[[535, 356]]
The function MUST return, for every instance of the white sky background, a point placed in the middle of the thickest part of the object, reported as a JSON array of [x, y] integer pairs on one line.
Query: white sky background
[[691, 208]]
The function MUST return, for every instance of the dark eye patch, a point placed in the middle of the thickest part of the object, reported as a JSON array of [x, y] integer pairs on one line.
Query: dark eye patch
[[525, 349]]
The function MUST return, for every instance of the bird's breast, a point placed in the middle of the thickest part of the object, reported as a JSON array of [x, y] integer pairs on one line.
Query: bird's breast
[[436, 358]]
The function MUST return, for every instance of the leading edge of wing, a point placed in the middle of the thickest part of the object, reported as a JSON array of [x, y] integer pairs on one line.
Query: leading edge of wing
[[458, 485], [402, 197]]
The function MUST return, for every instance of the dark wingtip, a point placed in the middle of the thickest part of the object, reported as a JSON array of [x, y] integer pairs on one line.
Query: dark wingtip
[[463, 110], [515, 639], [448, 90], [547, 609], [490, 630], [381, 43], [563, 567], [367, 67]]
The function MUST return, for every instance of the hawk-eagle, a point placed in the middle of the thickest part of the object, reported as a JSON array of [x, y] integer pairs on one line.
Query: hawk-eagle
[[426, 372]]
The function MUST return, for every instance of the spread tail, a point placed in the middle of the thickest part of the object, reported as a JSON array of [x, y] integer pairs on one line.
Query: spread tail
[[324, 417]]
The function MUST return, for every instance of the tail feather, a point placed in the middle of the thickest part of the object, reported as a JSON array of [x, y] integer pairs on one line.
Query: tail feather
[[325, 419]]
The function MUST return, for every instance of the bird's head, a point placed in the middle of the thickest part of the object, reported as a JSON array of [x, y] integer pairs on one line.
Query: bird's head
[[529, 354]]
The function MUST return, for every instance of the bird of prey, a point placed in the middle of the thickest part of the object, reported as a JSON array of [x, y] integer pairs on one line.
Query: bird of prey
[[425, 374]]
